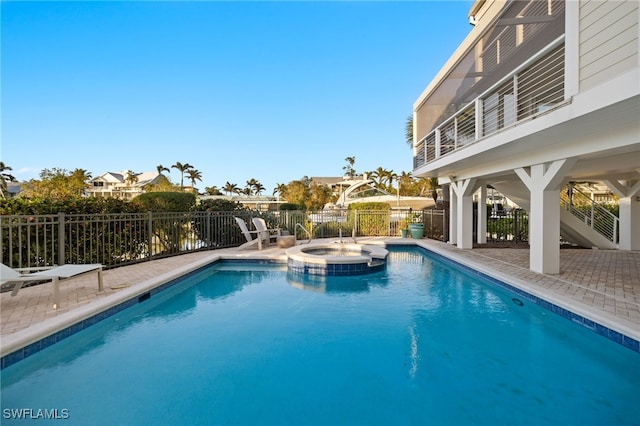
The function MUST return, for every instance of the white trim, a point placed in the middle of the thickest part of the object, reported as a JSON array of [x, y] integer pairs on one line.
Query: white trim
[[571, 49]]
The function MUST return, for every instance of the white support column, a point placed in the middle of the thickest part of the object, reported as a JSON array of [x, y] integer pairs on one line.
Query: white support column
[[464, 190], [482, 215], [629, 193], [544, 182], [453, 215]]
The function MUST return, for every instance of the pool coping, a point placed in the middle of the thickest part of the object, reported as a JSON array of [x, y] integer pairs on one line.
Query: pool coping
[[370, 258], [22, 344]]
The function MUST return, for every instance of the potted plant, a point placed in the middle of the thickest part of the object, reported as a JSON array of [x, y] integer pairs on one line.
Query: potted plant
[[404, 227], [416, 227]]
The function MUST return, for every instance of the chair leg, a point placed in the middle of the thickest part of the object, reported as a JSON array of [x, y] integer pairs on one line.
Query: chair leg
[[56, 293], [16, 287]]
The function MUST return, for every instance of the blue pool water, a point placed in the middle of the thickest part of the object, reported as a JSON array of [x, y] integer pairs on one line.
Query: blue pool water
[[417, 343]]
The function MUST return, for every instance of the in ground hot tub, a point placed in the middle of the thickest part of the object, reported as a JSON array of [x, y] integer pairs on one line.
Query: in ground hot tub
[[336, 259]]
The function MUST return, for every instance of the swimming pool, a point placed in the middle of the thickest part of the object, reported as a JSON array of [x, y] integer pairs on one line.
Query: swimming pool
[[416, 343]]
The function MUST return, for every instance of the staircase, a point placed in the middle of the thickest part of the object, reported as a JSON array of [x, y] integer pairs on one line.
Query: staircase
[[582, 221], [587, 222]]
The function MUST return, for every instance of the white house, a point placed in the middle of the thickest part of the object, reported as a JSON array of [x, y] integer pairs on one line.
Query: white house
[[124, 185], [540, 93]]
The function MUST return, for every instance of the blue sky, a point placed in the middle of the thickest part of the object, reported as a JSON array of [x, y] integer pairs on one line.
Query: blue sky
[[268, 90]]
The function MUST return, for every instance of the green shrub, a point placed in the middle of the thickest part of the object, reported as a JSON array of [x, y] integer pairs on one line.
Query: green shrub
[[165, 201], [218, 205], [332, 230], [375, 222], [370, 206], [289, 206], [48, 206]]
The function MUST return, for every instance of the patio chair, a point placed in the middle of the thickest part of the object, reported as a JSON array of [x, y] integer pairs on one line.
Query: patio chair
[[247, 234], [265, 233], [53, 274]]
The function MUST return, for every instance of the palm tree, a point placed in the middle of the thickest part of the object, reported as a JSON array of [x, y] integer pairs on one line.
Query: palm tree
[[212, 190], [279, 188], [79, 178], [182, 168], [433, 185], [404, 181], [391, 176], [379, 176], [130, 178], [348, 169], [230, 188], [162, 168], [258, 188], [255, 185], [193, 176], [408, 131], [5, 177]]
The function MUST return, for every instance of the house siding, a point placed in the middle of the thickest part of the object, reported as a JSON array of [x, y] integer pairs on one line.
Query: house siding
[[608, 40]]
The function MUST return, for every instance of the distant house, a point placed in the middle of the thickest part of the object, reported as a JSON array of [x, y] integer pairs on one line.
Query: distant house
[[117, 184]]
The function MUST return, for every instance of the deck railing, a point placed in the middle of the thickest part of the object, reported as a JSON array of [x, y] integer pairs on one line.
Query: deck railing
[[120, 239], [535, 87]]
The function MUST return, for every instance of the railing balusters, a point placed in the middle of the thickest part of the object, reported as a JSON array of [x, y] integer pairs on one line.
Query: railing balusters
[[120, 239], [527, 91]]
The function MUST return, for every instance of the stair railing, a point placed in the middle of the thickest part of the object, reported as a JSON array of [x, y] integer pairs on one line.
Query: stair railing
[[590, 212]]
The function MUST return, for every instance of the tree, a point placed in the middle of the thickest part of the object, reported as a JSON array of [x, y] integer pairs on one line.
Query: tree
[[193, 176], [320, 196], [405, 181], [162, 168], [182, 168], [163, 184], [279, 188], [297, 192], [391, 176], [433, 186], [348, 169], [256, 186], [408, 131], [56, 184], [380, 177], [212, 190], [5, 178], [230, 188], [79, 179], [131, 178], [250, 186]]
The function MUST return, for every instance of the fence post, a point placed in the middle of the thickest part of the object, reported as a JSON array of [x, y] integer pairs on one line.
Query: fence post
[[150, 232], [61, 225], [209, 236], [355, 222]]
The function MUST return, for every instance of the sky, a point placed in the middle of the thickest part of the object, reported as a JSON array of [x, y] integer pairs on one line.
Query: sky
[[272, 91]]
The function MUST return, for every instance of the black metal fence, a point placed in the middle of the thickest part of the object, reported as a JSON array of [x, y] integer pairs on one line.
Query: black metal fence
[[120, 239], [505, 226]]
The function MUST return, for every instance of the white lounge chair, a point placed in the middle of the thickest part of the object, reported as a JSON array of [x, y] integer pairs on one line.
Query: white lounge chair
[[54, 274], [247, 234], [265, 233]]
